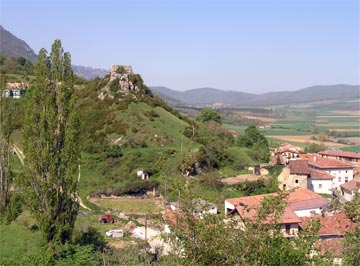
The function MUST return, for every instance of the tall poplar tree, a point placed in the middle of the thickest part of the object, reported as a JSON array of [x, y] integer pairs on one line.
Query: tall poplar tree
[[51, 145], [5, 131]]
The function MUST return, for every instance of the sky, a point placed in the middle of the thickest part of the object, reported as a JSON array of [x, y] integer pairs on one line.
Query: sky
[[250, 46]]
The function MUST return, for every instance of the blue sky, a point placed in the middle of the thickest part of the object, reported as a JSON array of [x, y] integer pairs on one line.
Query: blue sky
[[251, 46]]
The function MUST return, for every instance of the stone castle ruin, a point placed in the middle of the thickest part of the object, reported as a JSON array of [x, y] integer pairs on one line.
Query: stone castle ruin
[[119, 81]]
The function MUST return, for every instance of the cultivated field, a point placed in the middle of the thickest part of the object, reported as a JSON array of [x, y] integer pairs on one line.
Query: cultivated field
[[306, 139], [130, 205]]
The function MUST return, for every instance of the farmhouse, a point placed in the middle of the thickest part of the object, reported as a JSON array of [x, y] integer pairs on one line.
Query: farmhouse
[[349, 157], [284, 153], [300, 202], [341, 172], [348, 189], [321, 175], [333, 227]]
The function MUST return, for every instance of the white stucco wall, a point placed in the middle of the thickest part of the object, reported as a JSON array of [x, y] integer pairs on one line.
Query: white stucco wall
[[326, 185], [348, 195], [228, 205], [342, 174], [307, 212], [294, 229]]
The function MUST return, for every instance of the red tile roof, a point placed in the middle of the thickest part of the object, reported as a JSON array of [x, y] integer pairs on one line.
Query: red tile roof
[[326, 163], [337, 224], [351, 185], [318, 174], [299, 167], [298, 199], [332, 246], [341, 154], [287, 147]]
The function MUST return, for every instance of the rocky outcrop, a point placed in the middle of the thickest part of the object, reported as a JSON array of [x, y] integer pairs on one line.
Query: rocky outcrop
[[121, 80]]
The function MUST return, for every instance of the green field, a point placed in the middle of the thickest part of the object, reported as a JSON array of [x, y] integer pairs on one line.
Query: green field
[[130, 205], [355, 148]]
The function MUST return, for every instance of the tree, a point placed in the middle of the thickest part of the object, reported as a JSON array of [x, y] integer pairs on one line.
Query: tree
[[213, 240], [351, 243], [51, 145], [208, 114], [257, 142], [5, 151]]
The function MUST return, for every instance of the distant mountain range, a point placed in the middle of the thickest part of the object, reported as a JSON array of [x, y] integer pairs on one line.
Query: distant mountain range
[[11, 45], [89, 72], [210, 96]]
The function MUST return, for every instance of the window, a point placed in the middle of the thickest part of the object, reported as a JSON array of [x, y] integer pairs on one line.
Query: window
[[346, 179], [284, 186], [320, 186], [339, 179], [287, 229], [296, 181], [346, 171]]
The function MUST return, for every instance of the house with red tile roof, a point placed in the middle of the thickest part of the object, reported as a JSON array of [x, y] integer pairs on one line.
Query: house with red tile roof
[[300, 202], [284, 153], [333, 227], [348, 189], [346, 156], [341, 173]]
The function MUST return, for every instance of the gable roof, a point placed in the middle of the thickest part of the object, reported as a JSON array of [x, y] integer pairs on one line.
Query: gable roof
[[346, 154], [299, 167], [298, 199], [326, 163], [351, 185], [335, 224], [287, 147], [318, 174]]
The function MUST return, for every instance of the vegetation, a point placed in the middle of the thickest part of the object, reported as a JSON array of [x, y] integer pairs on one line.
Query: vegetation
[[253, 139], [214, 240], [208, 114], [16, 66], [51, 146]]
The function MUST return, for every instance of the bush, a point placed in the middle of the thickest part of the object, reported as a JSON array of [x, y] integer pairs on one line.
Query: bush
[[134, 188], [113, 151]]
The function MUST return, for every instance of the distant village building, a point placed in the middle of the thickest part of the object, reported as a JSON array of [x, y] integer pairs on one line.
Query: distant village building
[[321, 175], [13, 93], [284, 153], [349, 157], [142, 174]]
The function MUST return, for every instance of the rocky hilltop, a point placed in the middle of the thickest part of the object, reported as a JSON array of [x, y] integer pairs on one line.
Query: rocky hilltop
[[122, 81]]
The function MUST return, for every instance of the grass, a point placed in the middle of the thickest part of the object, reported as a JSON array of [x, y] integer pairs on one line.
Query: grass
[[355, 148], [16, 166], [241, 155], [17, 239], [284, 132], [130, 205]]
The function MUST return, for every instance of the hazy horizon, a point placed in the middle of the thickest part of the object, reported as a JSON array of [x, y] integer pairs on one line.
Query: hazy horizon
[[249, 46]]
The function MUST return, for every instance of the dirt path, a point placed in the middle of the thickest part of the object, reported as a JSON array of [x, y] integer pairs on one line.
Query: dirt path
[[245, 178], [81, 203], [19, 154]]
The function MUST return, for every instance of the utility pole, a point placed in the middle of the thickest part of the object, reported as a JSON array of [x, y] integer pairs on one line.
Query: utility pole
[[146, 218]]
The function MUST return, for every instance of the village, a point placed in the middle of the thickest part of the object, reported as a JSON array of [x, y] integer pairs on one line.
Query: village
[[311, 183]]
